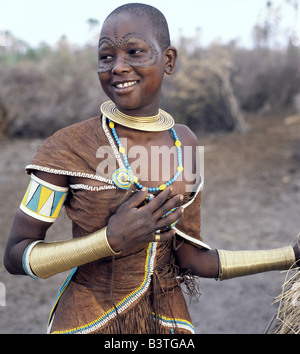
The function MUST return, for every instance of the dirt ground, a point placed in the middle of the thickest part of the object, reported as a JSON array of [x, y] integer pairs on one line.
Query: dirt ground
[[251, 200]]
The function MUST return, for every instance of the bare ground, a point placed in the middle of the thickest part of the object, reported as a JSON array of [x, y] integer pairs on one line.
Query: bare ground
[[251, 200]]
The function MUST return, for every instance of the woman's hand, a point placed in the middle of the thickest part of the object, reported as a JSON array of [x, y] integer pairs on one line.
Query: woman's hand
[[132, 225]]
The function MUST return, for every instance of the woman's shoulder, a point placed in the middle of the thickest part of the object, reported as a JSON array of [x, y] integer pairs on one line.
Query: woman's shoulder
[[186, 135], [72, 136], [83, 127], [72, 148]]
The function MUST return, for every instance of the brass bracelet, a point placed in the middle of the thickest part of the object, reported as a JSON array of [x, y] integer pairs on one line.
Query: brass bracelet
[[47, 259], [234, 264]]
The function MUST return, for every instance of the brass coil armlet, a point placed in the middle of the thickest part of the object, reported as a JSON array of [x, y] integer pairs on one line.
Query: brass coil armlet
[[42, 260], [234, 264]]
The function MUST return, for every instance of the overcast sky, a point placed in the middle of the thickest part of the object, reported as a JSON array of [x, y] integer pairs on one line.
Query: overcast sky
[[36, 21]]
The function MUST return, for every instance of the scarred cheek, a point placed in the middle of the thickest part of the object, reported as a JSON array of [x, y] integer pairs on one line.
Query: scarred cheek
[[145, 63], [103, 68]]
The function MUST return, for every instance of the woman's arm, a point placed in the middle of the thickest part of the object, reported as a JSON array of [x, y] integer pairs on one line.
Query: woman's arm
[[26, 229], [230, 264], [138, 227], [201, 262]]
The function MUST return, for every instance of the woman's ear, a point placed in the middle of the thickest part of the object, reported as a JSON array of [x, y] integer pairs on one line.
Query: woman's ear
[[170, 60]]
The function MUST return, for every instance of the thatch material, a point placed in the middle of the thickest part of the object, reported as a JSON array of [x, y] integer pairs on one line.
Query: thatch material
[[287, 320]]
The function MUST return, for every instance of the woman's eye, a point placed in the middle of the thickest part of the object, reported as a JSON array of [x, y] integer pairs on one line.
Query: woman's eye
[[106, 57], [135, 51]]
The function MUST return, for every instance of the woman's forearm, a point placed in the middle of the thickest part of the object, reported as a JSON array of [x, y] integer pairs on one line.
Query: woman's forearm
[[221, 264]]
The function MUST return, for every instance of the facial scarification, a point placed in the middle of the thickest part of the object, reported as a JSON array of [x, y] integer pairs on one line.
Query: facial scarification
[[138, 51]]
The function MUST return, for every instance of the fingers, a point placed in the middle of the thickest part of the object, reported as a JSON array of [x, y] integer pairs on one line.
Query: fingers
[[137, 198], [168, 220], [172, 203], [159, 200], [158, 206], [143, 221], [163, 236], [161, 205], [164, 202]]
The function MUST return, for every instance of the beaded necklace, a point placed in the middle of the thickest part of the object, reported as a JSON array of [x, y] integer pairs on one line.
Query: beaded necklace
[[124, 177]]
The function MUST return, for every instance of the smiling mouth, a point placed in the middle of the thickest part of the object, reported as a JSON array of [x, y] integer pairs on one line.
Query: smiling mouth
[[125, 84]]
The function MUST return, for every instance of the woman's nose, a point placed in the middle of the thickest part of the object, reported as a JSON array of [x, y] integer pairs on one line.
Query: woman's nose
[[120, 65]]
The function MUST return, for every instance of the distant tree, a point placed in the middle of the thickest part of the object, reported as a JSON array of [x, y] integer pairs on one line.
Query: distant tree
[[92, 23], [268, 29]]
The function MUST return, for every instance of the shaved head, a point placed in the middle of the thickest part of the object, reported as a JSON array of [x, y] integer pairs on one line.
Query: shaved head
[[154, 16]]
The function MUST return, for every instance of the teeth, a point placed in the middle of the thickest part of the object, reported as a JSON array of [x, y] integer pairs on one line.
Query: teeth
[[126, 84]]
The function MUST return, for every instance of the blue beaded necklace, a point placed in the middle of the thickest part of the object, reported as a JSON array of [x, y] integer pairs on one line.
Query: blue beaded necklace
[[124, 178]]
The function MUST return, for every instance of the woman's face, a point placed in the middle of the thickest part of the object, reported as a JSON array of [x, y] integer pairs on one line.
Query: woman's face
[[131, 64]]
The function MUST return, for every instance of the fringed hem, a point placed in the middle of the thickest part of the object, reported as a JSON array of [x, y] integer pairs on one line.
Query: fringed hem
[[138, 320], [141, 320], [191, 282]]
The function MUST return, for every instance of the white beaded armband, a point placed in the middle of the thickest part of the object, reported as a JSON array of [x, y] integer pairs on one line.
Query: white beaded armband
[[25, 259], [43, 200]]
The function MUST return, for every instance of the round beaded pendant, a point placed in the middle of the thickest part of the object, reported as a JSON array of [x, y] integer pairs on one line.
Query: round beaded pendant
[[123, 178]]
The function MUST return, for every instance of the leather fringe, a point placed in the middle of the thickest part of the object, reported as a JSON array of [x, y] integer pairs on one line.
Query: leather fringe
[[138, 320]]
